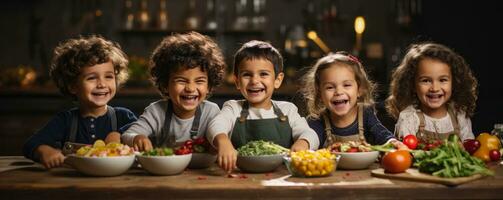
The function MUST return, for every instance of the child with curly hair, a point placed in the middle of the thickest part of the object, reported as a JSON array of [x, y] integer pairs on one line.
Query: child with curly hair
[[184, 68], [340, 100], [88, 70], [258, 69], [433, 94]]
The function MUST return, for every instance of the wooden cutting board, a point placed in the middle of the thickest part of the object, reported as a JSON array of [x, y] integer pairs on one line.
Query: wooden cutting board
[[413, 174]]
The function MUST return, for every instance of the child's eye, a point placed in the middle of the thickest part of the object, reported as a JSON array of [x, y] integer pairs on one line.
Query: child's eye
[[91, 78], [348, 85], [264, 74], [245, 74], [110, 77]]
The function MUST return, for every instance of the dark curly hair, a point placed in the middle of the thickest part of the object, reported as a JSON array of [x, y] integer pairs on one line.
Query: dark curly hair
[[258, 50], [311, 82], [74, 54], [186, 51], [402, 89]]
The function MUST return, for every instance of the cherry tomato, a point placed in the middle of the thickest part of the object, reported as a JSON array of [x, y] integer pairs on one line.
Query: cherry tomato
[[494, 155], [200, 140], [396, 161], [410, 141], [352, 149]]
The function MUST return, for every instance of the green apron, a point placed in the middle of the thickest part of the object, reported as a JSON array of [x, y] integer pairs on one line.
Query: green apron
[[276, 130], [425, 136], [332, 138]]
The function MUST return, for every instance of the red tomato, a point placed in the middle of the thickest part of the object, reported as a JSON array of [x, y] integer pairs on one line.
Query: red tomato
[[352, 149], [396, 161], [410, 141], [200, 140], [494, 155]]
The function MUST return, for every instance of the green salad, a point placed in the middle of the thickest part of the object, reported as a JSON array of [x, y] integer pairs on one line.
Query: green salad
[[159, 152], [261, 148]]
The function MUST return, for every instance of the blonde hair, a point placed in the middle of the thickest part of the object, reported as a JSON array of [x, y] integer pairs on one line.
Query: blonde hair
[[402, 88], [311, 82]]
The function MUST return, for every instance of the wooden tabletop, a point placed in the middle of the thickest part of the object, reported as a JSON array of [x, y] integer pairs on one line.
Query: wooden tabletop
[[22, 179]]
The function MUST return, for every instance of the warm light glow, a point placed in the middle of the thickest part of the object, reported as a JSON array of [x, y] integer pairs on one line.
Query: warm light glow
[[312, 35], [359, 24]]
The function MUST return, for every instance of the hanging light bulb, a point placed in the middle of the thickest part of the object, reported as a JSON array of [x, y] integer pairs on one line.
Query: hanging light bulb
[[359, 29], [314, 37]]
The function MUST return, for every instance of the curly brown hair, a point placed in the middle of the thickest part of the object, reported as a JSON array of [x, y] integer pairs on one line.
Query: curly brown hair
[[74, 54], [402, 88], [311, 81], [186, 51], [258, 50]]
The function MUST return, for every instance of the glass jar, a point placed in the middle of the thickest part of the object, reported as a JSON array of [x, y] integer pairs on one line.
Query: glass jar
[[498, 130]]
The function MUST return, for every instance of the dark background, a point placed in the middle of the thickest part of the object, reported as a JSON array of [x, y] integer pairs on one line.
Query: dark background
[[31, 30]]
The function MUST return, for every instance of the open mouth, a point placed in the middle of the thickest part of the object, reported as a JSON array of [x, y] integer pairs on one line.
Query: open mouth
[[255, 91], [99, 94], [189, 97], [434, 96], [340, 102]]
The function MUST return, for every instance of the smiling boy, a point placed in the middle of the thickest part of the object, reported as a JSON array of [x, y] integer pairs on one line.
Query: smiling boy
[[258, 69], [184, 68]]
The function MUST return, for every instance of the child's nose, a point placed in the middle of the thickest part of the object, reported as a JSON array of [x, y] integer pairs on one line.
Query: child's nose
[[435, 86], [190, 87]]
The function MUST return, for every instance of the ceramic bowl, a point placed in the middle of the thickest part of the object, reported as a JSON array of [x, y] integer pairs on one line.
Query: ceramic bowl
[[164, 165], [202, 160], [259, 164], [357, 160], [100, 166]]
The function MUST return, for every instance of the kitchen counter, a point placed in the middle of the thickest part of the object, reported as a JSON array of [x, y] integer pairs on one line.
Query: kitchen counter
[[22, 179]]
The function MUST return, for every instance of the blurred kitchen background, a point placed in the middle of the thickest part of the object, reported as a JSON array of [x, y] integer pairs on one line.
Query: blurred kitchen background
[[378, 32]]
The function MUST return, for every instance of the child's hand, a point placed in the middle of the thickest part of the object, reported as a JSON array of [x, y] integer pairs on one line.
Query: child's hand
[[50, 157], [142, 143], [300, 145], [113, 136], [399, 145], [227, 155]]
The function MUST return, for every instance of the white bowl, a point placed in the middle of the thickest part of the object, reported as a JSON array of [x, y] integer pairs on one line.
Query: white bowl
[[164, 165], [100, 166], [202, 160], [259, 164], [356, 160]]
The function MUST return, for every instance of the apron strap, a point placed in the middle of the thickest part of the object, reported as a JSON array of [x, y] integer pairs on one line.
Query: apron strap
[[73, 126], [282, 117], [454, 121], [195, 123], [164, 138], [113, 117], [244, 112], [361, 130], [330, 139], [420, 115]]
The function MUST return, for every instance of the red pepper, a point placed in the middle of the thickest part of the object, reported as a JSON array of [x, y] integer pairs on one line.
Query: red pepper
[[199, 140]]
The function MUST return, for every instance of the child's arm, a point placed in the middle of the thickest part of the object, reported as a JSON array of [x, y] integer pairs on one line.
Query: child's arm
[[301, 132], [50, 157], [150, 122], [299, 145], [465, 127], [227, 155]]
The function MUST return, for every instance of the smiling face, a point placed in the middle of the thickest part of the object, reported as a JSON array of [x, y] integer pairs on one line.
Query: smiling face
[[187, 88], [256, 80], [433, 86], [95, 86], [339, 91]]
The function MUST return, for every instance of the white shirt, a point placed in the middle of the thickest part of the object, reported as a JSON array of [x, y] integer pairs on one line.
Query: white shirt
[[223, 123], [408, 123], [152, 121]]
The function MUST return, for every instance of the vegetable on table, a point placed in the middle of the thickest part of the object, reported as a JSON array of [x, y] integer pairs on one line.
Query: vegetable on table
[[449, 160], [488, 142], [260, 148]]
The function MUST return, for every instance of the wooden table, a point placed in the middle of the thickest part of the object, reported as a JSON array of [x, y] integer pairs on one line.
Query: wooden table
[[21, 179]]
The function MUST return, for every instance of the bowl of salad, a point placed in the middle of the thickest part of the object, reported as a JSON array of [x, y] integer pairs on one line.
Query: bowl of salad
[[102, 159], [202, 157], [354, 155], [260, 156], [163, 161]]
